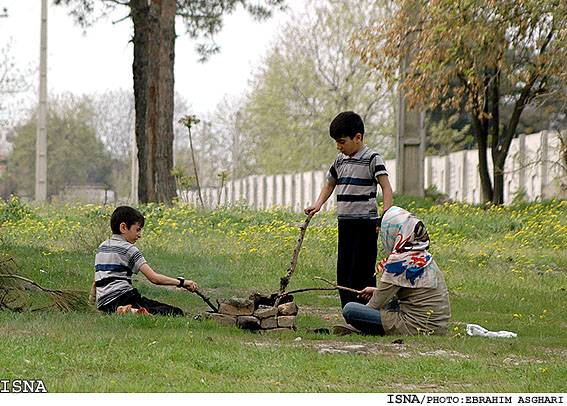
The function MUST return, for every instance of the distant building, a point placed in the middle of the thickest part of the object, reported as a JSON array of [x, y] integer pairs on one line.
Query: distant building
[[94, 194]]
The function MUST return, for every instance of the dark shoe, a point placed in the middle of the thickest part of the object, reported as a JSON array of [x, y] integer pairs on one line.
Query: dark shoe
[[345, 329]]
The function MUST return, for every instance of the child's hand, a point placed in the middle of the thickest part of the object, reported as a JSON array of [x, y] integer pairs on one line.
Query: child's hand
[[312, 209], [190, 285], [379, 224], [366, 293]]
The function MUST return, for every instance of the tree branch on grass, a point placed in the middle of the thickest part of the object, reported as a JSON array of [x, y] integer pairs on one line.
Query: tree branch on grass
[[65, 300]]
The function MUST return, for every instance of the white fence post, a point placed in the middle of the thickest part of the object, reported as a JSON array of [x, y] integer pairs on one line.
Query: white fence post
[[262, 193], [522, 162], [298, 183], [279, 190], [287, 190], [447, 175], [428, 172], [270, 189], [543, 167], [464, 176]]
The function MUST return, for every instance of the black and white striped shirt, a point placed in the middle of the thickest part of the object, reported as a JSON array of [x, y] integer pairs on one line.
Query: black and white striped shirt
[[356, 180], [115, 261]]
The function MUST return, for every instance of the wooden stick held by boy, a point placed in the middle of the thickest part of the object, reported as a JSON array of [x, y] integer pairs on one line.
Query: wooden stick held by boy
[[285, 280]]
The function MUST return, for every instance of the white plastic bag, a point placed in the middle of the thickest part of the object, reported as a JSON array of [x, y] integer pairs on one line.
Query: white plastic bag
[[474, 330]]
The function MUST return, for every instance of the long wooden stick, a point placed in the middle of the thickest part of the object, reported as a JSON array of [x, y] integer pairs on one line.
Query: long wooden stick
[[306, 290], [285, 280], [4, 261], [206, 300], [335, 287]]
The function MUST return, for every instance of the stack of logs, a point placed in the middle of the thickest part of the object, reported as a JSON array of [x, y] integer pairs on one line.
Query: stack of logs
[[256, 313]]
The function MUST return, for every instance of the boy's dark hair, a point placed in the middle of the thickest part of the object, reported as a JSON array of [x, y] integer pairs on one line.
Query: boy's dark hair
[[346, 124], [125, 214]]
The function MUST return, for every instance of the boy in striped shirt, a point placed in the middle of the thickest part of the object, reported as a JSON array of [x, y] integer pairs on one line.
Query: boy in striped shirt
[[117, 259], [355, 174]]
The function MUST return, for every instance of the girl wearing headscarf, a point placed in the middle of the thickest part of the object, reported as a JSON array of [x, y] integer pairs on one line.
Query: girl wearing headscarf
[[412, 296]]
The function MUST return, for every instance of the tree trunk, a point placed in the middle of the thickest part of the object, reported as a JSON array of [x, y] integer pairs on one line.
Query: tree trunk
[[154, 51], [481, 135], [498, 186], [498, 160], [501, 147]]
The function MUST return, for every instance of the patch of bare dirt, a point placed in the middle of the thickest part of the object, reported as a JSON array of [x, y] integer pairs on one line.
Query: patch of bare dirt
[[408, 387], [9, 332], [325, 312], [515, 360], [367, 348], [364, 348]]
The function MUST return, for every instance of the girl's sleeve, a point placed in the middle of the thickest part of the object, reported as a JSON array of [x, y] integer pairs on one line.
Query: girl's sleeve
[[382, 296]]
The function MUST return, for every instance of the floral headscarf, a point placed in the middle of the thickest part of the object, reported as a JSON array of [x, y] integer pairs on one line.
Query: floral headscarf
[[406, 241]]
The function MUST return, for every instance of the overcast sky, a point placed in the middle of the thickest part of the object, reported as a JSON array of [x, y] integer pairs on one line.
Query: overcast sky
[[101, 58]]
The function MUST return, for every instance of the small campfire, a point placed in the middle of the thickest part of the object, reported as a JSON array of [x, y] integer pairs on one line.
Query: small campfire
[[275, 312], [258, 312]]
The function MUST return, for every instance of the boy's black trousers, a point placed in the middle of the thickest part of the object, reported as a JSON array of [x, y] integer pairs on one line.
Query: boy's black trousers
[[133, 297], [356, 262]]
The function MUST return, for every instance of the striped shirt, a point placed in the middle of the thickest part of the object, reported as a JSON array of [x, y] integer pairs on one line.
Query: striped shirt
[[356, 179], [115, 262]]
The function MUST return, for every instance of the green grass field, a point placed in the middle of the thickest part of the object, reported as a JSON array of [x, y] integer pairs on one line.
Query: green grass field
[[506, 269]]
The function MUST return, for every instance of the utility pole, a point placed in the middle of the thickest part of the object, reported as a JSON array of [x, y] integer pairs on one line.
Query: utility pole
[[410, 134], [41, 143]]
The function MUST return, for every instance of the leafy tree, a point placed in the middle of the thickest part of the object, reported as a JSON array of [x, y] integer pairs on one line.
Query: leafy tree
[[154, 54], [74, 154], [497, 52], [444, 138], [559, 124], [449, 129], [307, 77]]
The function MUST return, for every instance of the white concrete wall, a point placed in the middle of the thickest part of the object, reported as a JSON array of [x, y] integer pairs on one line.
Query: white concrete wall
[[531, 166]]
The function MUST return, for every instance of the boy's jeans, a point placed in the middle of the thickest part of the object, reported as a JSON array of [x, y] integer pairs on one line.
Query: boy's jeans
[[366, 318]]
